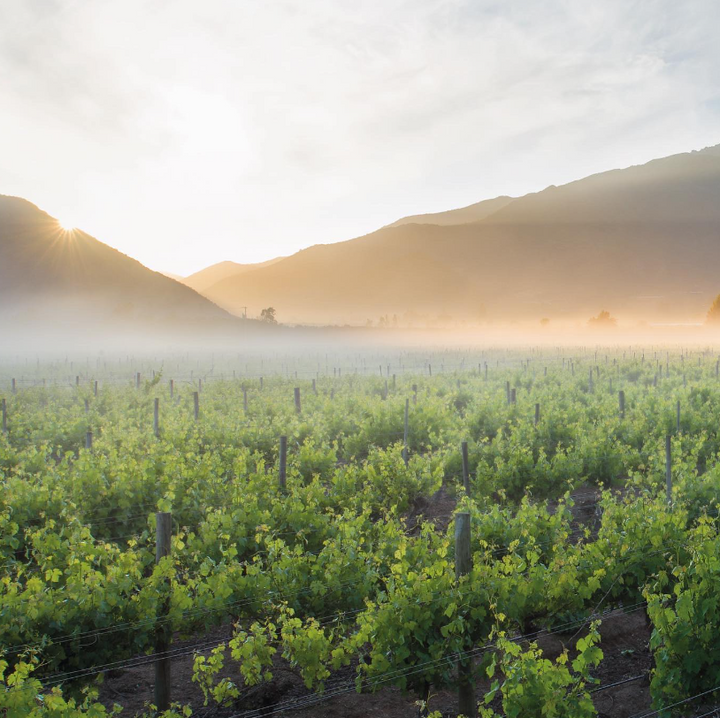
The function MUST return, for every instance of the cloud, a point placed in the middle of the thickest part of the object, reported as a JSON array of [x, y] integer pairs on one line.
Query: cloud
[[184, 133]]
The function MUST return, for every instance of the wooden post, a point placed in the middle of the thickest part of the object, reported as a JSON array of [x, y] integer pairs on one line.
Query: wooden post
[[196, 405], [261, 383], [678, 416], [430, 369], [314, 387], [163, 538], [88, 439], [621, 400], [14, 386], [414, 388], [137, 380], [405, 434], [95, 388], [537, 414], [156, 417], [245, 401], [172, 388], [465, 468], [297, 400], [4, 416], [463, 566], [507, 391], [282, 477], [87, 406], [590, 383], [199, 385], [668, 469], [513, 396]]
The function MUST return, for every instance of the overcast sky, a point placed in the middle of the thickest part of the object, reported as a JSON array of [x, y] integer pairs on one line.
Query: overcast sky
[[184, 132]]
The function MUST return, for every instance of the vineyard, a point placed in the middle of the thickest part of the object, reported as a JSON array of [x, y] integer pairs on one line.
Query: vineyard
[[490, 533]]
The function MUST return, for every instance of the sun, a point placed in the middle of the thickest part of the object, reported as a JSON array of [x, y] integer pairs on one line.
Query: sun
[[67, 226]]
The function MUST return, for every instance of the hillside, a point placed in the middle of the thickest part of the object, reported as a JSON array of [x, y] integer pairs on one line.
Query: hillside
[[204, 279], [472, 213], [51, 275], [643, 242]]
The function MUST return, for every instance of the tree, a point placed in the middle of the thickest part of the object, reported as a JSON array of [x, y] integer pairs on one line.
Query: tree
[[602, 320], [268, 315], [713, 315]]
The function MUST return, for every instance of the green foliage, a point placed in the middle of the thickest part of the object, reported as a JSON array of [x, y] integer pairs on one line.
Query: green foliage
[[685, 612], [535, 687], [341, 565]]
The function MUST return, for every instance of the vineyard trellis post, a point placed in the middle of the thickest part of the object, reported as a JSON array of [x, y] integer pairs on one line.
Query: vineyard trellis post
[[406, 431], [282, 461], [537, 414], [465, 468], [156, 417], [668, 468], [88, 439], [163, 539], [196, 405], [4, 416], [463, 566], [621, 400], [297, 400]]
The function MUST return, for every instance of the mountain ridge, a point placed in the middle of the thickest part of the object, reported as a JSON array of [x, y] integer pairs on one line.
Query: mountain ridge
[[566, 250]]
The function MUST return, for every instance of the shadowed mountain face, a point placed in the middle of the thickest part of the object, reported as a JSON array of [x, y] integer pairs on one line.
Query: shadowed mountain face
[[641, 242], [50, 274]]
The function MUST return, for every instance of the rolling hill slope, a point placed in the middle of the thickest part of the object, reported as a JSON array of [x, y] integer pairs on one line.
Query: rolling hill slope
[[643, 242]]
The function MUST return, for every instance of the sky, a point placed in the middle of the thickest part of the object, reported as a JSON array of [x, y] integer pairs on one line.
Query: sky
[[186, 133]]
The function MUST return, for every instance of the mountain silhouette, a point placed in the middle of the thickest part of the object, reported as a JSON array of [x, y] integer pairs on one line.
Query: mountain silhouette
[[204, 279], [642, 242], [51, 275]]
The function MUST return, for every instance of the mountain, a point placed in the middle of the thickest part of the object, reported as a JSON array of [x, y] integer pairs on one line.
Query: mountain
[[60, 277], [205, 278], [642, 242], [472, 213]]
